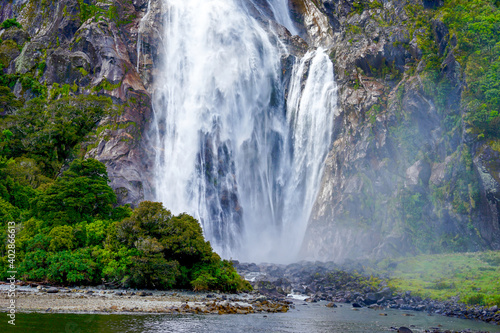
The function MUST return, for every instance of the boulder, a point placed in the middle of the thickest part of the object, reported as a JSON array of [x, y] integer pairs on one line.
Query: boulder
[[52, 290], [15, 34]]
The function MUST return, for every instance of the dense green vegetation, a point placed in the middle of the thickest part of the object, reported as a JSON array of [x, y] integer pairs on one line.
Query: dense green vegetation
[[48, 132], [476, 25], [68, 232], [474, 40], [10, 23], [473, 277]]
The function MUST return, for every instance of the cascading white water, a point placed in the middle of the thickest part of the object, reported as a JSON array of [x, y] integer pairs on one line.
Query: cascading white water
[[142, 24], [311, 109], [281, 15], [230, 151]]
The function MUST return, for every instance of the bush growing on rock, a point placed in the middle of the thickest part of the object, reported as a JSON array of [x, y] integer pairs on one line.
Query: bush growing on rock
[[10, 23]]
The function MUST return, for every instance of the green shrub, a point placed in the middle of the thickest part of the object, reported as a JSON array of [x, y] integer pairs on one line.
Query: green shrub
[[80, 194], [167, 242], [50, 136], [10, 23], [34, 266], [62, 238], [477, 299], [153, 272], [72, 267]]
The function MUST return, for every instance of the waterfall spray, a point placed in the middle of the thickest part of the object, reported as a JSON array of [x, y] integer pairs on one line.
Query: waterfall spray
[[230, 151]]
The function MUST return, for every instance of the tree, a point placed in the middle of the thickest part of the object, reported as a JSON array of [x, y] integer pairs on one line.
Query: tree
[[49, 132], [153, 229], [8, 101], [80, 194]]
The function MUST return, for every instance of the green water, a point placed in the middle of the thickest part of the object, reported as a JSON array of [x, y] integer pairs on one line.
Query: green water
[[304, 318]]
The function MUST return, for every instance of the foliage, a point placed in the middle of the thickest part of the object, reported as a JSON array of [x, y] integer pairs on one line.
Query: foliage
[[71, 267], [475, 25], [153, 271], [173, 252], [80, 194], [219, 275], [413, 215], [8, 101], [88, 10], [477, 299], [47, 132], [62, 238], [10, 23], [71, 233]]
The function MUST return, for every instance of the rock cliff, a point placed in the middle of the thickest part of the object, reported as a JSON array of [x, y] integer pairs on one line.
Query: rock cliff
[[92, 47], [404, 174]]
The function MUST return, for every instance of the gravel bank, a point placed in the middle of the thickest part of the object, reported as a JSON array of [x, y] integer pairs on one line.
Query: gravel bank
[[92, 300]]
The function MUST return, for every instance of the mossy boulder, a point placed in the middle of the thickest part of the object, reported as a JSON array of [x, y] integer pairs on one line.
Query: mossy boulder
[[8, 52], [31, 55], [66, 67], [15, 34]]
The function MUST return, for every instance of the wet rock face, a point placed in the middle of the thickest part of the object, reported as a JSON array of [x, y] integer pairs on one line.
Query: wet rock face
[[393, 154], [66, 67], [15, 34], [5, 10], [97, 55]]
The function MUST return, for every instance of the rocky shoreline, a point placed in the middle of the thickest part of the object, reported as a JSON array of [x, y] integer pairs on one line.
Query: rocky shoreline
[[49, 299], [334, 284]]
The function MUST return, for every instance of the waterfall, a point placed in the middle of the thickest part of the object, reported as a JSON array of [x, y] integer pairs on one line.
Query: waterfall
[[229, 150], [280, 12], [140, 30]]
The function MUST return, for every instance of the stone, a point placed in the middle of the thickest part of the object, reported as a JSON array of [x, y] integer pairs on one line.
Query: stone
[[52, 290], [371, 298], [404, 329], [15, 34], [418, 173], [66, 67]]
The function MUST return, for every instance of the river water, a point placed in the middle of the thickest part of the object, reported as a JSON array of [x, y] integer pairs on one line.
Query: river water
[[312, 318]]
